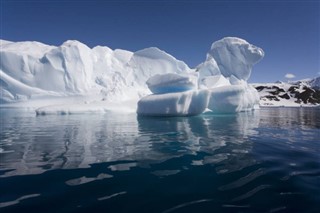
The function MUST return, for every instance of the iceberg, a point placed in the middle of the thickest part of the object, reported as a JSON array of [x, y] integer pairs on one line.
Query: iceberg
[[73, 78], [222, 82], [37, 75]]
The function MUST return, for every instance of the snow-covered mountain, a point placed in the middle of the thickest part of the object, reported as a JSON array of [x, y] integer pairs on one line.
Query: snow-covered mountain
[[294, 93]]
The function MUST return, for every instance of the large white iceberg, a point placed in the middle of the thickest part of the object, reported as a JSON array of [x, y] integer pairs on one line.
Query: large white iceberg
[[75, 78], [36, 75]]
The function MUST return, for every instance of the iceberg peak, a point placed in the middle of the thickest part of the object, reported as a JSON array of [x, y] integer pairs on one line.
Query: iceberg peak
[[72, 43], [235, 56], [156, 53]]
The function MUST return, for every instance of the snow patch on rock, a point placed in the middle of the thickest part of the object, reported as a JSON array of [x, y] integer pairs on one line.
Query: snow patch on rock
[[293, 94]]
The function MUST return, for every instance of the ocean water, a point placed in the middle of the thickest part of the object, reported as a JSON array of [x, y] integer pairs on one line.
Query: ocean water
[[262, 161]]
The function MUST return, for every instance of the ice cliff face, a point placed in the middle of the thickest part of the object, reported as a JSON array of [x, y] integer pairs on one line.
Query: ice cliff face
[[32, 71]]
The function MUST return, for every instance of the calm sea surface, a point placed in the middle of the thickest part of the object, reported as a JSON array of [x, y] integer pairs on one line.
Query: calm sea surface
[[263, 161]]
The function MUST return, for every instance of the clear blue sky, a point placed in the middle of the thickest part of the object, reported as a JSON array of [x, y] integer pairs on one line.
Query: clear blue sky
[[287, 30]]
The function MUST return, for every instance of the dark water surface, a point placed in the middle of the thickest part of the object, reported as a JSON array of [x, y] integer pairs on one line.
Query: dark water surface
[[266, 161]]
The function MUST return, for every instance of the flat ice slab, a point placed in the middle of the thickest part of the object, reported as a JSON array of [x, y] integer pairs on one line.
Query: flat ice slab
[[232, 99], [172, 82], [191, 102]]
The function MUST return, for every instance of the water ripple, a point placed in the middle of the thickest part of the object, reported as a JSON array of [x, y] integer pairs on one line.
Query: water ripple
[[111, 196], [84, 180], [10, 203], [278, 209], [251, 192], [186, 204], [235, 206], [243, 180], [162, 173]]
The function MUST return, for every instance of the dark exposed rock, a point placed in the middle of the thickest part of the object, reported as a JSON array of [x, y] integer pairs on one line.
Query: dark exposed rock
[[293, 89], [285, 96], [312, 100], [260, 88], [274, 92], [305, 95], [272, 97]]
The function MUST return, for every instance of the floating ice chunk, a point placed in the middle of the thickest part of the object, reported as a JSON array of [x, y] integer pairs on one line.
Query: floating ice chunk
[[235, 56], [233, 98], [191, 102], [171, 82]]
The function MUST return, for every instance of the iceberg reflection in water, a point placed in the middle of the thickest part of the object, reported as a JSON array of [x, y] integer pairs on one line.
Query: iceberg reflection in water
[[265, 160], [32, 145]]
